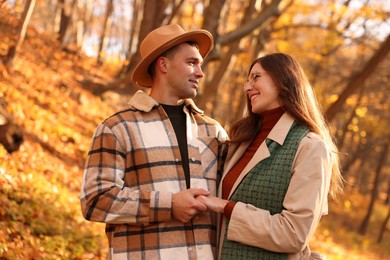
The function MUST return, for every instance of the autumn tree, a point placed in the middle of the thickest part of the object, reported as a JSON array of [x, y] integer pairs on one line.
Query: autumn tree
[[357, 80], [65, 18], [21, 32], [374, 194]]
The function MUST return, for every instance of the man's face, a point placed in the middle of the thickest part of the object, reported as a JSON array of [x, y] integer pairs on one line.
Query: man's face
[[184, 72]]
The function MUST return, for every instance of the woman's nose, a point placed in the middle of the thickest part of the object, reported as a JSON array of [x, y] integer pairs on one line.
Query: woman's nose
[[247, 86]]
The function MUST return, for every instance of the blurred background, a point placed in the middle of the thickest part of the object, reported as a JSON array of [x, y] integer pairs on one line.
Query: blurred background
[[65, 66]]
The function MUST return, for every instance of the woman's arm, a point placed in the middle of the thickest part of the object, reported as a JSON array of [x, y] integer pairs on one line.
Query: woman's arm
[[304, 204]]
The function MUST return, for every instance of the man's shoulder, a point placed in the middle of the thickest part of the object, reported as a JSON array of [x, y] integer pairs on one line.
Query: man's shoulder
[[199, 113], [124, 114], [209, 120], [212, 126]]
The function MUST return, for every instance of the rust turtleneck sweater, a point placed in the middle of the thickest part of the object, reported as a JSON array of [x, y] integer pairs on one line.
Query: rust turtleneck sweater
[[268, 121]]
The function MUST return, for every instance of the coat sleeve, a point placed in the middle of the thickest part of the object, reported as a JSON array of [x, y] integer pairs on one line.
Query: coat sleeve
[[104, 198], [305, 202]]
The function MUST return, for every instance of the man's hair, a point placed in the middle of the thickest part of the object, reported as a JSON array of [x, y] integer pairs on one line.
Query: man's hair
[[168, 54]]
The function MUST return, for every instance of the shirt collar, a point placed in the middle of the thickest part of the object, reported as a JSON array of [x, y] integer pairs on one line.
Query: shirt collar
[[143, 102]]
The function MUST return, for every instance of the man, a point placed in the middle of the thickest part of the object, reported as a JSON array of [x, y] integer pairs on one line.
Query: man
[[149, 162]]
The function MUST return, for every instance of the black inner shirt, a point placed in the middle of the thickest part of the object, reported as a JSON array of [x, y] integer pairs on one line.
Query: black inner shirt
[[178, 120]]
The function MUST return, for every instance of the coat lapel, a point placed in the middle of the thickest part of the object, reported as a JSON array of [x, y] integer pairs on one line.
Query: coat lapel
[[277, 134]]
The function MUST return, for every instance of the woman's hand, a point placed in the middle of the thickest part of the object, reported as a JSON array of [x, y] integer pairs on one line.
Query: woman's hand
[[214, 204], [185, 206]]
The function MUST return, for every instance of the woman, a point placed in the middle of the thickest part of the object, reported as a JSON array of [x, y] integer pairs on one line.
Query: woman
[[281, 165]]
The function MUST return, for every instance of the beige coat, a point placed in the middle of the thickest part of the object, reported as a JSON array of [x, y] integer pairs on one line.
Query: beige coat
[[304, 204]]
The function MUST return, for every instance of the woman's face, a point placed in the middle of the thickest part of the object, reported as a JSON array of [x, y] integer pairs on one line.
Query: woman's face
[[261, 90]]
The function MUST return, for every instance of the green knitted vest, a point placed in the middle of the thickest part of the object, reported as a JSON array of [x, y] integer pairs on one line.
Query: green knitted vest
[[265, 187]]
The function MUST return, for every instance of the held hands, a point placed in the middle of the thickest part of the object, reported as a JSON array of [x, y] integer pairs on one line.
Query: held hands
[[214, 204], [188, 203], [185, 206]]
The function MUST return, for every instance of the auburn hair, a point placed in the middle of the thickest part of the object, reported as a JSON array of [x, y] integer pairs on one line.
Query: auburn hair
[[298, 98]]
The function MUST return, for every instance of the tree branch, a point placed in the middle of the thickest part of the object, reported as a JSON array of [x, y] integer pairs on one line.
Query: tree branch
[[271, 10], [357, 80]]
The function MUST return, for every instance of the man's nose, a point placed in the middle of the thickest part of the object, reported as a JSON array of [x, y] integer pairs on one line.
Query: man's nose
[[198, 72]]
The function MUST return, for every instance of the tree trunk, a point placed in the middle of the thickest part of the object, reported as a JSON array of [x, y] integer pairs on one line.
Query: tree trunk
[[358, 79], [212, 15], [341, 137], [387, 200], [384, 225], [133, 27], [354, 155], [175, 9], [232, 40], [65, 17], [87, 19], [28, 10], [374, 194], [211, 88], [107, 15], [153, 16]]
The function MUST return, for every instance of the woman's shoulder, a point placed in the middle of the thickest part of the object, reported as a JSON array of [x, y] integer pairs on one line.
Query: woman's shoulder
[[313, 137], [313, 141]]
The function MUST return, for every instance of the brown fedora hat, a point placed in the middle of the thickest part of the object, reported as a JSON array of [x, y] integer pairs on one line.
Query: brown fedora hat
[[162, 39]]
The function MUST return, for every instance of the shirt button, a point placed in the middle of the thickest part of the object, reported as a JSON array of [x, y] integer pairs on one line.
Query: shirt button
[[176, 159], [189, 249]]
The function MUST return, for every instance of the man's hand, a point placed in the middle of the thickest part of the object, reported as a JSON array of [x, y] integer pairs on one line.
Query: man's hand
[[185, 206], [213, 203]]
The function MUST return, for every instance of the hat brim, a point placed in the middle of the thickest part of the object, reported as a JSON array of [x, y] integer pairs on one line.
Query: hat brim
[[203, 38]]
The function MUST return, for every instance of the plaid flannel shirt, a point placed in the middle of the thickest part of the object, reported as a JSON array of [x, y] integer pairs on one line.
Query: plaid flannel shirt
[[132, 170]]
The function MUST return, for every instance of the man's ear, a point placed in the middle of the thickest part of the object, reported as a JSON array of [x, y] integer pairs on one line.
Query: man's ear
[[162, 64]]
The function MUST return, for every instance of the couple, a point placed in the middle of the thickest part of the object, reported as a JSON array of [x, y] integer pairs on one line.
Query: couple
[[152, 170]]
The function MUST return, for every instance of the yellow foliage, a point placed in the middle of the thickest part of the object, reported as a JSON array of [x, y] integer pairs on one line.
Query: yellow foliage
[[337, 237], [361, 111], [39, 206]]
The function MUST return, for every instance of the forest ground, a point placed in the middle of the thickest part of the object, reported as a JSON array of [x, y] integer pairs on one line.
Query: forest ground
[[50, 94]]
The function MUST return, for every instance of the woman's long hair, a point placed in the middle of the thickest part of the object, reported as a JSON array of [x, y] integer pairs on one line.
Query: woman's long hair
[[299, 100]]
